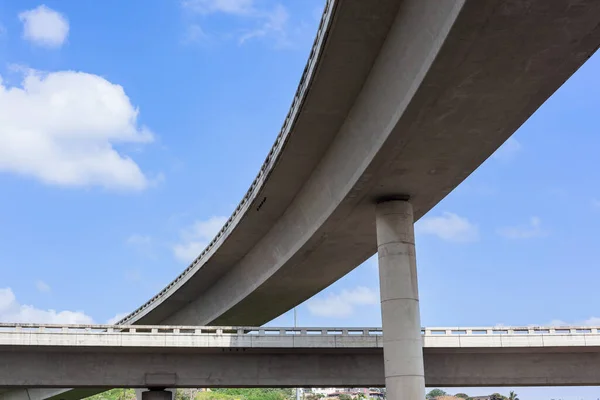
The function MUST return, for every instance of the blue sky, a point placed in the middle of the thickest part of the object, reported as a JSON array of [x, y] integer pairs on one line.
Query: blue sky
[[128, 134]]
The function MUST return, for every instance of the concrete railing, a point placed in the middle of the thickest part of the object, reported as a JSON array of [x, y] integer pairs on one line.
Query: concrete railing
[[303, 331], [537, 330]]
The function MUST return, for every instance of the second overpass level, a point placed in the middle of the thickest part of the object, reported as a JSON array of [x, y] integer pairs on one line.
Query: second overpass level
[[158, 356]]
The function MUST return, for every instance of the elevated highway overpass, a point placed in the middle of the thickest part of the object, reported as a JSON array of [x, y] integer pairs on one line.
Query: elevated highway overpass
[[399, 102], [115, 356], [399, 99]]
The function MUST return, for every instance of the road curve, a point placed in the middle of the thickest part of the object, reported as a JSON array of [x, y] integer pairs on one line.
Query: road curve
[[398, 98]]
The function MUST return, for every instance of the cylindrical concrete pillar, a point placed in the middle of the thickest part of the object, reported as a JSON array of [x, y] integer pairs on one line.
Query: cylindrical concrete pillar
[[158, 394], [402, 341]]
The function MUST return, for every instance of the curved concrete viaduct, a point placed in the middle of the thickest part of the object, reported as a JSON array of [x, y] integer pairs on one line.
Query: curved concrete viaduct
[[399, 98]]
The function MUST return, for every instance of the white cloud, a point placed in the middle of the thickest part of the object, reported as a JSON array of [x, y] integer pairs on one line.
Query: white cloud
[[268, 22], [42, 286], [343, 304], [44, 26], [508, 150], [596, 204], [275, 23], [116, 318], [194, 33], [139, 240], [143, 244], [195, 238], [133, 275], [239, 7], [60, 128], [449, 226], [12, 311], [532, 230]]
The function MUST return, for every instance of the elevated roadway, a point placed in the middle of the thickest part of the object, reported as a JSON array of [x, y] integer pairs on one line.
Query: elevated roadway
[[399, 98], [142, 356]]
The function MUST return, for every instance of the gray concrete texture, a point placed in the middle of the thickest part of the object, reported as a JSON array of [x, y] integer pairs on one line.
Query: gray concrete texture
[[402, 342], [330, 357], [402, 97]]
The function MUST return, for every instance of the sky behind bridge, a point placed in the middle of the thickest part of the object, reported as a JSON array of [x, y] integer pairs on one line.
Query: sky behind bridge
[[129, 131]]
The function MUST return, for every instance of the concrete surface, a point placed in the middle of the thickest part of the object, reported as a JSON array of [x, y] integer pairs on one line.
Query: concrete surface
[[402, 97], [324, 357], [402, 342]]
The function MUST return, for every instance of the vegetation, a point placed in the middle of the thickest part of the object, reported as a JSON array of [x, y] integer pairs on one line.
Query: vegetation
[[215, 394], [435, 393], [115, 394], [266, 394], [494, 396], [254, 394]]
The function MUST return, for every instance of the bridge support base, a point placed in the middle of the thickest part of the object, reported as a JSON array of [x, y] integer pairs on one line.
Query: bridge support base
[[402, 342], [157, 394]]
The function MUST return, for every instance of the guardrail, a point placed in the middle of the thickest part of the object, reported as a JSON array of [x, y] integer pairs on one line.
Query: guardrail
[[304, 331]]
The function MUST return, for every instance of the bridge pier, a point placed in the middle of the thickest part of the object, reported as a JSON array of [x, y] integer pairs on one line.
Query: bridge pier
[[156, 394], [402, 342]]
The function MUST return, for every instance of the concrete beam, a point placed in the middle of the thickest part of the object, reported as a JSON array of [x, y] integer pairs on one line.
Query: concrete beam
[[445, 368]]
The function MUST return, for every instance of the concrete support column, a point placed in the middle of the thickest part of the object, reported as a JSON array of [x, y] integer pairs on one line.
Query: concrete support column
[[158, 394], [402, 341]]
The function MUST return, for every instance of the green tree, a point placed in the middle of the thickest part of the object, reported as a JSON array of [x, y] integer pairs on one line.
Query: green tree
[[435, 393], [462, 395], [497, 396], [512, 396], [344, 396], [258, 393], [115, 394]]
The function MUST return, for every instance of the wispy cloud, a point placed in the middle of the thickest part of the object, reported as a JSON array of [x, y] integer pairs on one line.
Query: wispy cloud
[[133, 275], [509, 150], [251, 20], [532, 230], [449, 227], [342, 304], [275, 23], [195, 238], [236, 7], [116, 318], [42, 286], [596, 204], [142, 244], [194, 34]]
